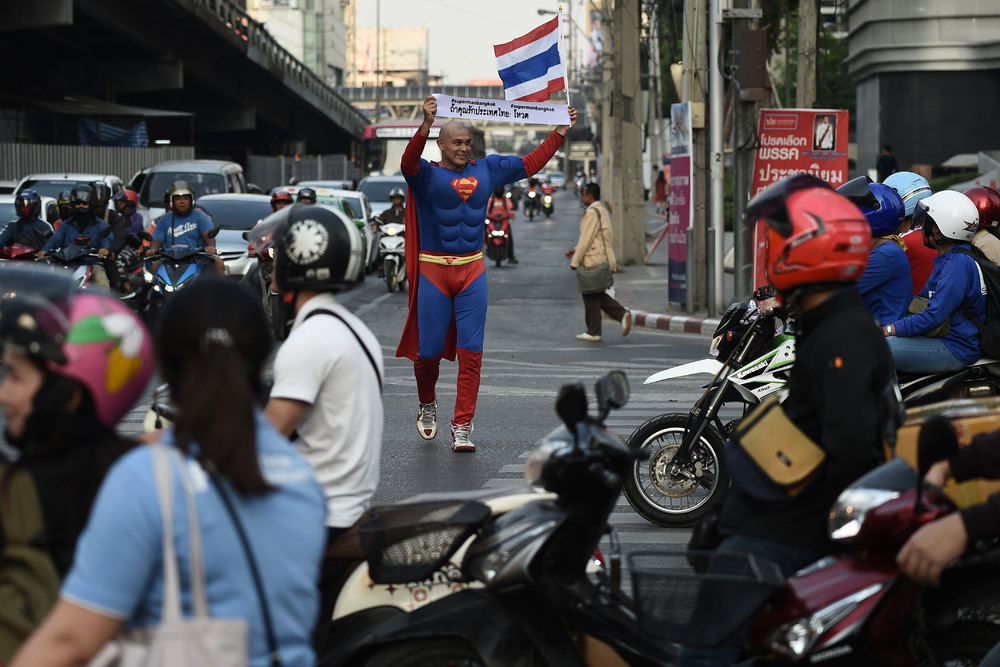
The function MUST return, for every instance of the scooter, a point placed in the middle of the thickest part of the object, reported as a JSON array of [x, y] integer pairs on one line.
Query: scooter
[[497, 238], [548, 202], [686, 473], [78, 258], [392, 252], [169, 270]]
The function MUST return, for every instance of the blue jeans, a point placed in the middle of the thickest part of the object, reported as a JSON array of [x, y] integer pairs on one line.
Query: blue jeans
[[920, 354], [787, 557]]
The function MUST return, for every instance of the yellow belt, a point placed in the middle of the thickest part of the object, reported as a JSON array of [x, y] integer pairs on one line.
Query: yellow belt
[[451, 260]]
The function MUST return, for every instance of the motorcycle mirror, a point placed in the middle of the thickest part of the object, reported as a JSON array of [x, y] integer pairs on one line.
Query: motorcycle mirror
[[936, 442], [214, 232], [145, 236], [859, 192], [571, 405], [612, 392]]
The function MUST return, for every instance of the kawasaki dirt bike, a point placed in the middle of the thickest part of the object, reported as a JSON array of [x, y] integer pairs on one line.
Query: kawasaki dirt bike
[[686, 473]]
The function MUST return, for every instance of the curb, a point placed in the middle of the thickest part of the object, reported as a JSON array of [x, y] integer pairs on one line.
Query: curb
[[676, 323]]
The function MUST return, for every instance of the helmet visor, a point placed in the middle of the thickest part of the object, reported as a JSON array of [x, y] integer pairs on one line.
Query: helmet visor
[[770, 205], [263, 234], [858, 190]]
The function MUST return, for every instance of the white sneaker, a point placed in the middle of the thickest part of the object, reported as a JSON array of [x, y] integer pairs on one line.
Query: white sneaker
[[427, 425], [587, 337], [460, 437], [626, 322]]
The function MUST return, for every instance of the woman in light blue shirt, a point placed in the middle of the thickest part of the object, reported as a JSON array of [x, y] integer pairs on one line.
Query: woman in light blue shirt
[[210, 350]]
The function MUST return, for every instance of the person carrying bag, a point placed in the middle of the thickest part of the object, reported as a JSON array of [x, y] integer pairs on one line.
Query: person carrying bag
[[593, 259]]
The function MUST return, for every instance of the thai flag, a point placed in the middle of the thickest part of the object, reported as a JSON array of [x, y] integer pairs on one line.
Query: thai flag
[[530, 65]]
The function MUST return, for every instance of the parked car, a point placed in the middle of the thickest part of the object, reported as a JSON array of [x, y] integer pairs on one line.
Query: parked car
[[206, 177], [363, 216], [50, 209], [377, 189], [234, 214], [315, 185], [51, 184]]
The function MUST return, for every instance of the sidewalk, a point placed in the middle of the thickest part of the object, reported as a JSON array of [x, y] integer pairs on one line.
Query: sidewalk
[[643, 289]]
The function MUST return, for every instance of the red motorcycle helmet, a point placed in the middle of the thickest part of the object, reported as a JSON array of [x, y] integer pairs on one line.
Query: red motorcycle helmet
[[987, 200], [815, 237], [281, 197]]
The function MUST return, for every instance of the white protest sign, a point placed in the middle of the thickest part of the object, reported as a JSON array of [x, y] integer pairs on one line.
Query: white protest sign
[[510, 111]]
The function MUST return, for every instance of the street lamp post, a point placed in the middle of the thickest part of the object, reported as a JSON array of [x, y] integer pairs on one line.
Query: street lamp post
[[570, 61]]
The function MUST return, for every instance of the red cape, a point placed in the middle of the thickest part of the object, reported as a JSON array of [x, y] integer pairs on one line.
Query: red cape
[[409, 342]]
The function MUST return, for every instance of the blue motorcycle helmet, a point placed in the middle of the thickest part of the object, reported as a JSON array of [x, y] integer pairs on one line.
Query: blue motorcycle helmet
[[911, 187], [881, 205]]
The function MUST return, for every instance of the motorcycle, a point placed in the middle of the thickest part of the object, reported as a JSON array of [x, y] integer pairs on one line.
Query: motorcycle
[[532, 203], [78, 258], [128, 263], [25, 246], [686, 474], [538, 601], [392, 253], [497, 238], [548, 202], [168, 270], [539, 606]]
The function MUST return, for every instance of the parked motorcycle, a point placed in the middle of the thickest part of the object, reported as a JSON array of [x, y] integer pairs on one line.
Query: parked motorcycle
[[548, 201], [497, 238], [686, 474], [392, 253]]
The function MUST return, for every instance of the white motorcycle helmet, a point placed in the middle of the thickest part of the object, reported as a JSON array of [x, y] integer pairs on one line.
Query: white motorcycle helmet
[[954, 214]]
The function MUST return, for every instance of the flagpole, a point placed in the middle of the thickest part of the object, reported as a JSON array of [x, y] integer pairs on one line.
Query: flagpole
[[566, 71]]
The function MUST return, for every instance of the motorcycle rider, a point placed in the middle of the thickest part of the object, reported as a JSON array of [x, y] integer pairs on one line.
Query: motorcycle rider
[[280, 199], [842, 371], [126, 204], [887, 284], [500, 206], [65, 208], [987, 200], [84, 224], [949, 219], [327, 393], [912, 188], [395, 213], [534, 187], [113, 218], [185, 226], [29, 229], [306, 196]]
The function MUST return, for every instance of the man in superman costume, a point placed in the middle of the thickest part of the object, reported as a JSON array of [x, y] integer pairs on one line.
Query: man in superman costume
[[445, 223]]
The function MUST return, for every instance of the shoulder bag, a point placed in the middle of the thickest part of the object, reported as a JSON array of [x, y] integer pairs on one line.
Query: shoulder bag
[[595, 279], [770, 458], [198, 641]]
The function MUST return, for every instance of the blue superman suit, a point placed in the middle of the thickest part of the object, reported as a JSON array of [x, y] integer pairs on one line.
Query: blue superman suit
[[445, 214]]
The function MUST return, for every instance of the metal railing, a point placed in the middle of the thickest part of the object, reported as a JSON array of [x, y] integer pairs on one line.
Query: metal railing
[[19, 160], [252, 36], [391, 93]]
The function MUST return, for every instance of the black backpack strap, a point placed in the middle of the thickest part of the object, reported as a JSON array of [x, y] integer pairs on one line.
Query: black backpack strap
[[974, 253], [371, 359]]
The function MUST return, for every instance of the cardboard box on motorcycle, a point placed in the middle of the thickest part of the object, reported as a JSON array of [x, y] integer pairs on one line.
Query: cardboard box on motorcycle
[[970, 417]]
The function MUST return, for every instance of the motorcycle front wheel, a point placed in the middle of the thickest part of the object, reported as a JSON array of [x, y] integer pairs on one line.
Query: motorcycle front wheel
[[426, 653], [389, 269], [676, 498]]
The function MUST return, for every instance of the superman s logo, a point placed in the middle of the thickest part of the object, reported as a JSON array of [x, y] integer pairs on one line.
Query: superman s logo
[[465, 186]]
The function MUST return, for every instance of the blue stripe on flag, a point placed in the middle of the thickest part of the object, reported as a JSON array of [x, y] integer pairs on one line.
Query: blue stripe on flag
[[530, 69]]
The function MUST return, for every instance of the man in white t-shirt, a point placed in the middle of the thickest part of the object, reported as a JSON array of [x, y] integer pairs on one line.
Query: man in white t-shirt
[[327, 393]]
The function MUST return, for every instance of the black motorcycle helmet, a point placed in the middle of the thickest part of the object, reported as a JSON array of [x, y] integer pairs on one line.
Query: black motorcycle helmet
[[306, 196], [102, 192], [317, 248], [83, 194]]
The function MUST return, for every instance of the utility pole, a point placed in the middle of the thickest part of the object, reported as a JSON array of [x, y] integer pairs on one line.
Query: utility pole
[[805, 96], [570, 81], [694, 83], [627, 181], [378, 60]]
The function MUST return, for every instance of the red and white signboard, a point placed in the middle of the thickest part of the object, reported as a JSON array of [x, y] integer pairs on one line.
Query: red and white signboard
[[796, 141]]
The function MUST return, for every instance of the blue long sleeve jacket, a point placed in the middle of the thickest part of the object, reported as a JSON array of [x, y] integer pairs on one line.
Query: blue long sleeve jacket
[[74, 227], [954, 281], [886, 286]]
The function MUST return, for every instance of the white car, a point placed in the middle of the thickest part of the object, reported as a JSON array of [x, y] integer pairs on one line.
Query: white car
[[51, 184], [50, 210]]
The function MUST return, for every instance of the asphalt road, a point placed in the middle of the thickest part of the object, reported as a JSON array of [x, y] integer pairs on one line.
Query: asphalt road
[[534, 315]]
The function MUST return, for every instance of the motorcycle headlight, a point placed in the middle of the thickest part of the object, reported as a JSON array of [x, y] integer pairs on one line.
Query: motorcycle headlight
[[497, 232], [168, 288], [798, 638], [548, 199], [390, 232], [507, 195], [511, 541], [851, 508], [147, 275], [269, 252], [531, 195]]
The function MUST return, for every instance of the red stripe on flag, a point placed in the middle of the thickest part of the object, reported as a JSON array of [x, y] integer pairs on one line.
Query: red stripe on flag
[[555, 85], [534, 35]]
